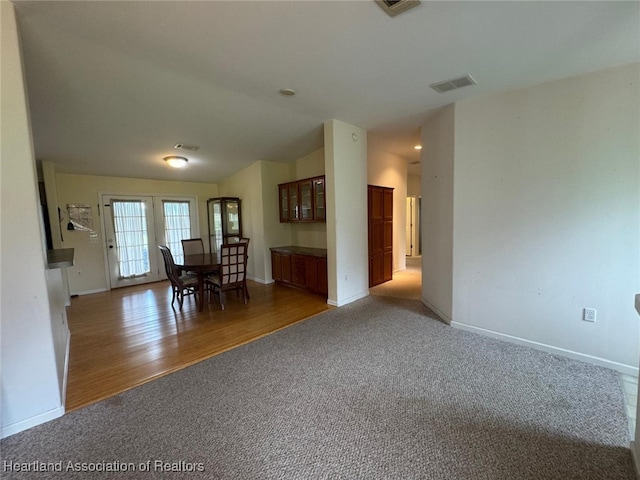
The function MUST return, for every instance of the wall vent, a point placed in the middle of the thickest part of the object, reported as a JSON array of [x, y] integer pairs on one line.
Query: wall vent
[[395, 7], [182, 146], [453, 83]]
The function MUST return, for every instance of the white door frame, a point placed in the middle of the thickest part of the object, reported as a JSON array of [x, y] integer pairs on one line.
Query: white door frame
[[412, 226], [154, 229]]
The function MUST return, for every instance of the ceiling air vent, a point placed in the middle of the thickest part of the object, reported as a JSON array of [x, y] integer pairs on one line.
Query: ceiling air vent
[[182, 146], [394, 7], [453, 83]]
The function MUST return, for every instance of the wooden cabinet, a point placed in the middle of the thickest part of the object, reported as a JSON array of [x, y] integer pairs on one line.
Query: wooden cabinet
[[224, 221], [316, 275], [300, 267], [302, 200], [380, 210]]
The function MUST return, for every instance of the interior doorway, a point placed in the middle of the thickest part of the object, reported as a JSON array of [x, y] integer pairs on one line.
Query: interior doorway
[[407, 283], [413, 234]]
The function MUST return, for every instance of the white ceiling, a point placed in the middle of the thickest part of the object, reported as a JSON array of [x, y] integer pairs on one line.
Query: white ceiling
[[114, 85]]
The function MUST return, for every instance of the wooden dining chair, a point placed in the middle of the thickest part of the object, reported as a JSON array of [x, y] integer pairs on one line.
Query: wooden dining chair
[[192, 246], [246, 241], [232, 274], [181, 285]]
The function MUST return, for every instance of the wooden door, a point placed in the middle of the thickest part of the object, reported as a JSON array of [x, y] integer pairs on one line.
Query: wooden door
[[380, 210]]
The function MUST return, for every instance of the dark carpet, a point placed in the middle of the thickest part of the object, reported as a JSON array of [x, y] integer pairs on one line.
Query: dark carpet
[[379, 389]]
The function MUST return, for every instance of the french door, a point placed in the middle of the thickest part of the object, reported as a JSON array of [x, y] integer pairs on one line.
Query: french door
[[134, 226]]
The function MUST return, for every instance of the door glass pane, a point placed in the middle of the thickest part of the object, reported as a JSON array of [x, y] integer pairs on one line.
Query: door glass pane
[[232, 218], [177, 226], [132, 245]]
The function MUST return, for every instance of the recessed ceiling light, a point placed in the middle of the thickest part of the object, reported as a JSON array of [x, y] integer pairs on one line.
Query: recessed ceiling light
[[287, 92], [418, 147], [176, 162]]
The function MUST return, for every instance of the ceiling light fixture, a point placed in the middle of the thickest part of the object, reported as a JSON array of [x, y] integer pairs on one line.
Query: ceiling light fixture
[[418, 147], [394, 7], [287, 92], [176, 162]]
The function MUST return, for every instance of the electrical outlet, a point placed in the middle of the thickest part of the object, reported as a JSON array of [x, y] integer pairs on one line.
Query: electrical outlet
[[589, 315]]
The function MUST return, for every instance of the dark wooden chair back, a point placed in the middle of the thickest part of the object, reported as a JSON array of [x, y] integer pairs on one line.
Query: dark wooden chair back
[[232, 264], [180, 286], [232, 273], [191, 246]]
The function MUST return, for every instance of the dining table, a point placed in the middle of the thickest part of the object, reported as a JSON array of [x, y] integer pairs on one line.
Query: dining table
[[201, 264]]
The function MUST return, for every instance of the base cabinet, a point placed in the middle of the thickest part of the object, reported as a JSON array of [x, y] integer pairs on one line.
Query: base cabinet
[[301, 268]]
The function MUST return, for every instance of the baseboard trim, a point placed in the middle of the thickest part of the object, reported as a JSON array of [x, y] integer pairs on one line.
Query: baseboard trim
[[63, 393], [260, 280], [31, 422], [89, 292], [443, 317], [346, 301], [634, 457], [601, 362]]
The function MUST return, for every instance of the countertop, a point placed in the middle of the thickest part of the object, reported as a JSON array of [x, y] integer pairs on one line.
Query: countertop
[[60, 258], [296, 250]]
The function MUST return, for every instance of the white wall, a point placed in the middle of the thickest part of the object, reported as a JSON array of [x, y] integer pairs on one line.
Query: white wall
[[389, 170], [437, 212], [83, 189], [346, 175], [30, 390], [546, 216]]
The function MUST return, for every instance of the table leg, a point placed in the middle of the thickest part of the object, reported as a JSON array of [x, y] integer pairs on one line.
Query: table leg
[[200, 291]]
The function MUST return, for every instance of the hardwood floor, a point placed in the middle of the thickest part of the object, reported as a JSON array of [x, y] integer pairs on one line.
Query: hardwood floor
[[129, 336]]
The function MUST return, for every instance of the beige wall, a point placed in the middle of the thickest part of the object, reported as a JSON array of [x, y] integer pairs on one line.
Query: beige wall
[[247, 185], [414, 185], [309, 234], [347, 244], [311, 165], [276, 234], [389, 170], [30, 392], [546, 215], [437, 212], [84, 189]]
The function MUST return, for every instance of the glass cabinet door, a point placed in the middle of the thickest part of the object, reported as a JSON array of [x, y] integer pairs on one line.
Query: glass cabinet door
[[225, 221], [294, 212], [306, 200], [284, 203], [231, 218], [319, 199]]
